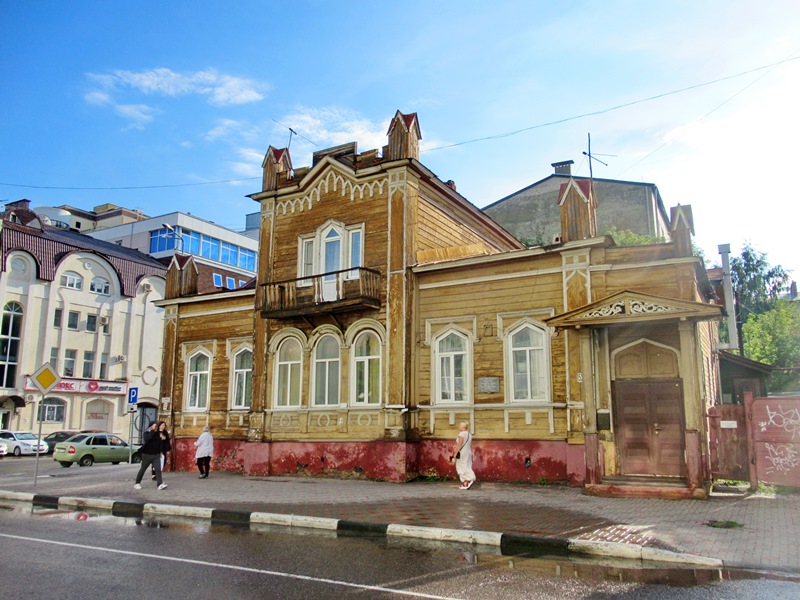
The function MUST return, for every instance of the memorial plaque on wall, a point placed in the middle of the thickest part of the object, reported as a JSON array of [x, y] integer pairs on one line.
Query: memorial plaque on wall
[[488, 385]]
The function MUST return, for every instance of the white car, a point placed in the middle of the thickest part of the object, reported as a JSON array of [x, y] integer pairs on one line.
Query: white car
[[22, 442], [2, 450]]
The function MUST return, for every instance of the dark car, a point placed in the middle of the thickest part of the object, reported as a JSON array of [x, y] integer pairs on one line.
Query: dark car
[[61, 436]]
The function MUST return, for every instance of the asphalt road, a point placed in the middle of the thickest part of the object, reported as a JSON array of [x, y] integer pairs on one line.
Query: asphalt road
[[49, 553]]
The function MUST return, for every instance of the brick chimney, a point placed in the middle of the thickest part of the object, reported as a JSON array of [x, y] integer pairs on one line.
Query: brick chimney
[[276, 163], [404, 137], [564, 167]]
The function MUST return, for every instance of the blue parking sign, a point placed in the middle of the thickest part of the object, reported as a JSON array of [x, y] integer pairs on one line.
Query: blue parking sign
[[133, 395]]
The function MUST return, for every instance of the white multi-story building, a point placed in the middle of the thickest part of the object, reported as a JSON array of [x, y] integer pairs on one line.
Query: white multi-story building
[[85, 306]]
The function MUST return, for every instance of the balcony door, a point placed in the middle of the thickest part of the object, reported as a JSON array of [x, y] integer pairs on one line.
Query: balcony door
[[331, 261]]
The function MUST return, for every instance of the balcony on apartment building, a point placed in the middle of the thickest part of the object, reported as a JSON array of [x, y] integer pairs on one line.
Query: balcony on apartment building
[[334, 292]]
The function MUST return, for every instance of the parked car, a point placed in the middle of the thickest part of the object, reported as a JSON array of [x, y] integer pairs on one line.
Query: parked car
[[3, 450], [61, 436], [89, 448], [22, 442]]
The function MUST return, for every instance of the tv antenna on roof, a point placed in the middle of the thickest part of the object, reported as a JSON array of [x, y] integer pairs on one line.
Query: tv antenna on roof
[[293, 132], [591, 158]]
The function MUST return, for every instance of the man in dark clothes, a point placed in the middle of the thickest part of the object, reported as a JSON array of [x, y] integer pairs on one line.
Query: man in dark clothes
[[151, 456]]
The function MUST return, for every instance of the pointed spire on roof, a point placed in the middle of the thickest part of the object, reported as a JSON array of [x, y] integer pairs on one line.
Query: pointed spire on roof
[[404, 136], [276, 162]]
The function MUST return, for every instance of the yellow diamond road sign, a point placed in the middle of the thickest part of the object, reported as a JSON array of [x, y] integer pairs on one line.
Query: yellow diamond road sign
[[45, 378]]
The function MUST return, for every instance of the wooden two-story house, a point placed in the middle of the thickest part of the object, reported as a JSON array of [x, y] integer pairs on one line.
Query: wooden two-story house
[[388, 308]]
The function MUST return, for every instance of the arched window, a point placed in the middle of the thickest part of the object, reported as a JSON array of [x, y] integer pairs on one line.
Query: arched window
[[198, 381], [452, 368], [100, 286], [10, 334], [289, 369], [52, 410], [72, 280], [527, 356], [242, 379], [326, 371], [367, 369]]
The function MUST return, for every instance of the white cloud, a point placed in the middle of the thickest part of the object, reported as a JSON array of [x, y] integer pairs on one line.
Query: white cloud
[[224, 128], [139, 114], [221, 89]]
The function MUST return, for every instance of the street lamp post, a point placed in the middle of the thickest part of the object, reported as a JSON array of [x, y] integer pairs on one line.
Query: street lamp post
[[174, 234]]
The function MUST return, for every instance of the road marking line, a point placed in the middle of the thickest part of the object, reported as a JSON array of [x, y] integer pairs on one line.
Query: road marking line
[[234, 568]]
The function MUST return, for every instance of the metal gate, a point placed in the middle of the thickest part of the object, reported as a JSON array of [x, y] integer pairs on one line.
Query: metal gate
[[727, 428]]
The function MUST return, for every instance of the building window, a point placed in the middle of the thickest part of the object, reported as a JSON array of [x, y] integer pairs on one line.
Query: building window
[[10, 336], [217, 279], [326, 372], [91, 323], [451, 359], [192, 242], [242, 379], [54, 359], [100, 286], [367, 369], [527, 355], [290, 369], [52, 410], [230, 283], [88, 364], [73, 318], [58, 315], [198, 381], [242, 283], [332, 248], [103, 366], [72, 280], [70, 356]]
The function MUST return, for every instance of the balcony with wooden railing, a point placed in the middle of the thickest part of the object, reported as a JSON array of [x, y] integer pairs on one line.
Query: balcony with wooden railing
[[335, 292]]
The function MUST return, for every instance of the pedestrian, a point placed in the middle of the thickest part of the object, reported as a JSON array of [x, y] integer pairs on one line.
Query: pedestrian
[[166, 446], [151, 455], [205, 449], [462, 452]]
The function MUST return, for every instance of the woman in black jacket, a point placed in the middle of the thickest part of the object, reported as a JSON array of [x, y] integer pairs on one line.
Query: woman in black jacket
[[166, 446]]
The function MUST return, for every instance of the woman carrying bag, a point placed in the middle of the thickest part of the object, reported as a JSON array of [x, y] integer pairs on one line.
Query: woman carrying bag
[[462, 454]]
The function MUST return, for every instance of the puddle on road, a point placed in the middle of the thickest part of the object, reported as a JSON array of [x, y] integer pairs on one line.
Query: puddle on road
[[536, 563]]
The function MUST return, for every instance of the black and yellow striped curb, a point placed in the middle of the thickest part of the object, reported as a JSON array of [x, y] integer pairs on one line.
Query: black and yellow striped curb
[[509, 544]]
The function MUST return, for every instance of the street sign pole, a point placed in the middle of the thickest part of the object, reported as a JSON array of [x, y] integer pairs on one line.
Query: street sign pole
[[45, 379], [133, 399]]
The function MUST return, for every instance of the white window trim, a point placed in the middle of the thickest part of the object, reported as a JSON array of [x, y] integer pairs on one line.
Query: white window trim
[[105, 285], [71, 277], [232, 354], [187, 393], [276, 375], [354, 361], [327, 361], [508, 363], [316, 242], [436, 391]]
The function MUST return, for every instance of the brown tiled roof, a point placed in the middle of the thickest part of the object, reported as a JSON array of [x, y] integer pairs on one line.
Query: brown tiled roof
[[50, 245]]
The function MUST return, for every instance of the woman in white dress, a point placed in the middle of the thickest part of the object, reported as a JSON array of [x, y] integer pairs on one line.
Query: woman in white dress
[[463, 454]]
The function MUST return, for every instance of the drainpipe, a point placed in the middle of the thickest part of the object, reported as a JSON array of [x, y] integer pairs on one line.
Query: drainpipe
[[727, 288]]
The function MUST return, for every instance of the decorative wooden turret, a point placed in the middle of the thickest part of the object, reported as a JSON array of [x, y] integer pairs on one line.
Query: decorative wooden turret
[[681, 227], [277, 164], [404, 137], [578, 210]]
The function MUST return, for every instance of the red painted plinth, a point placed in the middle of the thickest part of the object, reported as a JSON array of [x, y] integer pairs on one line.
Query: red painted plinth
[[512, 461]]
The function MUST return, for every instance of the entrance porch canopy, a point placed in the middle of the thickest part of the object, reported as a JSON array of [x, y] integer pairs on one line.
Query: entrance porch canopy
[[627, 306]]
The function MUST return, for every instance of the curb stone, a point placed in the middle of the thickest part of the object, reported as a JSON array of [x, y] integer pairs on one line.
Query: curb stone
[[509, 544]]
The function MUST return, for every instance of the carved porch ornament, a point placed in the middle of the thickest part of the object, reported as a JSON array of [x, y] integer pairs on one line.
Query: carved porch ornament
[[626, 305], [332, 182]]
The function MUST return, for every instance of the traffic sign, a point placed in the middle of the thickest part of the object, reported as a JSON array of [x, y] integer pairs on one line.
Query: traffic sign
[[45, 379], [133, 395]]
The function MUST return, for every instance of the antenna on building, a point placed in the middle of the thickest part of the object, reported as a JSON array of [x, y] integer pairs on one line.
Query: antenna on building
[[591, 158], [291, 133]]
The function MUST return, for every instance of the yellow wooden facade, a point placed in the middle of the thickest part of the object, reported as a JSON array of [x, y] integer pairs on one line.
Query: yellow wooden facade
[[387, 309]]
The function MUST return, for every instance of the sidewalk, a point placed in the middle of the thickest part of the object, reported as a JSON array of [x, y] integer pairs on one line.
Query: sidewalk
[[499, 514]]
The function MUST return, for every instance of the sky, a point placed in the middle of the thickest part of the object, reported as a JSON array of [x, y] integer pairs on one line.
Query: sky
[[171, 106]]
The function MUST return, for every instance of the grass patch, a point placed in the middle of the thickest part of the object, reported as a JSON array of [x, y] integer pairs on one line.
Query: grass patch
[[724, 524]]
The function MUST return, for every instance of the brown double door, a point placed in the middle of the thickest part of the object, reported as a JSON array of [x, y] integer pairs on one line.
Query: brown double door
[[650, 427]]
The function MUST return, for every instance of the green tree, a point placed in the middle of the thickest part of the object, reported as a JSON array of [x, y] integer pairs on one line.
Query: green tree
[[626, 237], [773, 337], [756, 283]]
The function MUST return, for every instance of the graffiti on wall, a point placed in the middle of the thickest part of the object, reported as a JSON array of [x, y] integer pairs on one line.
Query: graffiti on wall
[[781, 458], [785, 419]]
